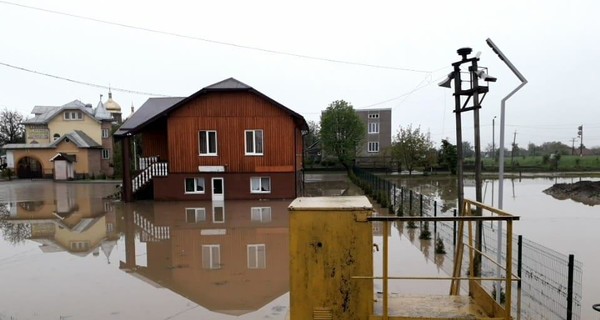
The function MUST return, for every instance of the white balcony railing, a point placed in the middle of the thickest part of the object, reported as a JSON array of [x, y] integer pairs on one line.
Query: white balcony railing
[[152, 168]]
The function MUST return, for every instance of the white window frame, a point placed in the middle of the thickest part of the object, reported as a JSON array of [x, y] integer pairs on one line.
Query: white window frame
[[105, 154], [373, 115], [256, 142], [73, 115], [260, 185], [211, 256], [373, 127], [257, 258], [196, 184], [80, 245], [373, 147], [260, 214], [221, 210], [105, 133], [208, 152], [199, 215]]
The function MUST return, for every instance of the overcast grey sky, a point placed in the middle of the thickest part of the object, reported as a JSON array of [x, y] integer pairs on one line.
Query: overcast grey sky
[[553, 43]]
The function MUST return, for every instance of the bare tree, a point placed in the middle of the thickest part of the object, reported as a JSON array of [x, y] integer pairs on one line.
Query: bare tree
[[12, 129]]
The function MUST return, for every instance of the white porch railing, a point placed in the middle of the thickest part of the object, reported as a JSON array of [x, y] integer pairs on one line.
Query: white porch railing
[[145, 162], [150, 232], [155, 169]]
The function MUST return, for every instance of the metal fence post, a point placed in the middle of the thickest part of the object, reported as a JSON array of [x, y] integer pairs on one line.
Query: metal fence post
[[570, 287], [454, 240], [435, 222], [410, 198]]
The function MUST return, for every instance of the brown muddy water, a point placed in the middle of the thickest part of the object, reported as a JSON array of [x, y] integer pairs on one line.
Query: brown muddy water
[[67, 253]]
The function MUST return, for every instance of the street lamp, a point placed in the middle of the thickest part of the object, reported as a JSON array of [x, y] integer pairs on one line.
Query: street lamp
[[502, 118], [501, 160]]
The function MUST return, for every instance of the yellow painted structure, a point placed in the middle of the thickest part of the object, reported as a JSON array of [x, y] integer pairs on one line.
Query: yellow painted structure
[[61, 126], [88, 160], [330, 241], [331, 265]]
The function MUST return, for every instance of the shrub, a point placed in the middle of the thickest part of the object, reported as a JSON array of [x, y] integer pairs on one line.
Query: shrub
[[439, 246]]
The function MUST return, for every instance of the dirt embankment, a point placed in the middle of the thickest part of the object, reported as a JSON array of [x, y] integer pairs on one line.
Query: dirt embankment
[[587, 192]]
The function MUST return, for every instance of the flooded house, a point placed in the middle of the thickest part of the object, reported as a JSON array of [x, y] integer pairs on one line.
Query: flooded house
[[227, 141], [66, 142]]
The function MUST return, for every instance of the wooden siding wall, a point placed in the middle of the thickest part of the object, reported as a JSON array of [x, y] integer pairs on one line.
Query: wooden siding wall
[[230, 113], [154, 141], [299, 150]]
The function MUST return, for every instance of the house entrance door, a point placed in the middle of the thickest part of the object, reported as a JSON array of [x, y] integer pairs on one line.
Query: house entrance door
[[218, 189]]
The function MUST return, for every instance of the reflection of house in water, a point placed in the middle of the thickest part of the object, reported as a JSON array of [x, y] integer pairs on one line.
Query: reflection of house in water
[[75, 223], [229, 257]]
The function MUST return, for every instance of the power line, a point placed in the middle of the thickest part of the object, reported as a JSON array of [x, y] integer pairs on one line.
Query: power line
[[83, 82], [230, 44], [405, 95]]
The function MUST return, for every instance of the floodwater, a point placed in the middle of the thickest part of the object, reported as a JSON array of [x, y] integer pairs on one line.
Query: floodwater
[[67, 253]]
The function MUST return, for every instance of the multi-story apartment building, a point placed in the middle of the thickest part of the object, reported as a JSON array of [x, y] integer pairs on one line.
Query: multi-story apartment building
[[376, 151]]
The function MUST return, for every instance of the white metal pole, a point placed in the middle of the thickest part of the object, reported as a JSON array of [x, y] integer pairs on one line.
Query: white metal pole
[[501, 156]]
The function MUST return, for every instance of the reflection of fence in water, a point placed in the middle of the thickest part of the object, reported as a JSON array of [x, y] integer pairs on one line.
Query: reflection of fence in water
[[544, 272]]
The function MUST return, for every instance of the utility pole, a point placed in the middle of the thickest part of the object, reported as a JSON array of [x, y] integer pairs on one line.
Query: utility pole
[[580, 134], [512, 152], [573, 146], [475, 73]]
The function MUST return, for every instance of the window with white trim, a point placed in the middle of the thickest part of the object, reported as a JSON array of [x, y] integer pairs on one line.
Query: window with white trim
[[373, 146], [105, 154], [373, 127], [254, 142], [260, 214], [260, 185], [80, 245], [73, 115], [195, 215], [373, 116], [105, 133], [257, 256], [194, 185], [207, 142], [218, 214], [211, 256]]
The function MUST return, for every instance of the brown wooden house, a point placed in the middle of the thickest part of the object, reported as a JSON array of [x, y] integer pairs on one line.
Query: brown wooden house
[[226, 141]]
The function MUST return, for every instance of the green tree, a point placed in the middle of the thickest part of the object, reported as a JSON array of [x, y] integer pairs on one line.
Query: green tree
[[11, 128], [312, 143], [342, 132], [448, 156], [411, 147], [468, 150]]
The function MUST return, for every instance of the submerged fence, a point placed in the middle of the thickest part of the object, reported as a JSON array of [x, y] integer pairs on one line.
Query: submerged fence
[[551, 282]]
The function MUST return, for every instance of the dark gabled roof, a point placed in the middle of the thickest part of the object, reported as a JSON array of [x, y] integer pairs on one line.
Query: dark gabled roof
[[79, 138], [43, 114], [229, 84], [156, 108], [63, 156], [152, 108]]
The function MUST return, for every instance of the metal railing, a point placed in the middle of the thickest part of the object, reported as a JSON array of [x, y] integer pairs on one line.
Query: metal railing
[[551, 281], [474, 281]]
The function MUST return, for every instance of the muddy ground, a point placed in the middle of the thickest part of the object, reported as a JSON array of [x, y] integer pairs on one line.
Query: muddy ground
[[586, 192]]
